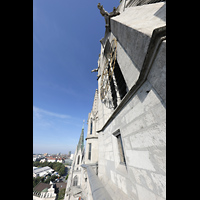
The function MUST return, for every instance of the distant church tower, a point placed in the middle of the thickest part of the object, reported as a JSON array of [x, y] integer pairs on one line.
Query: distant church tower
[[81, 140], [91, 154], [74, 178]]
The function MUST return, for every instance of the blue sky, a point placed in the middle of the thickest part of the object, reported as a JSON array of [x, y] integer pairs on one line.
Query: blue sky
[[66, 47]]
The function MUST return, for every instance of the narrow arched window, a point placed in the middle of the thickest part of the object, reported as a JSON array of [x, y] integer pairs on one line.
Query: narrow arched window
[[78, 160], [89, 152], [75, 182], [91, 126]]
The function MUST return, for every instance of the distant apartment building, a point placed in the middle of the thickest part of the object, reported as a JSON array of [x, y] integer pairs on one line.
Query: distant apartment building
[[35, 158], [51, 159], [60, 160], [72, 156], [43, 160]]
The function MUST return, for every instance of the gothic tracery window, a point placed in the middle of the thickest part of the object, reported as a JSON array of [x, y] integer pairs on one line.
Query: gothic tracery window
[[113, 85]]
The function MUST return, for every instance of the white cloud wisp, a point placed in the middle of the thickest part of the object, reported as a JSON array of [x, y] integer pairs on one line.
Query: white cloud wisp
[[38, 112]]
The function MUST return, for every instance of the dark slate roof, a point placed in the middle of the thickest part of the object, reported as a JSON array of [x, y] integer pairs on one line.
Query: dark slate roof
[[61, 185], [41, 186]]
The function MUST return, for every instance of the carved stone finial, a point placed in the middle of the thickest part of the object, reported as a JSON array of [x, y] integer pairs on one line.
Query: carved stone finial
[[102, 11], [105, 13], [114, 12], [95, 70], [107, 16]]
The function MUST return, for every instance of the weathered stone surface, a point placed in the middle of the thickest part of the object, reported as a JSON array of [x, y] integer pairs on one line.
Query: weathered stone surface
[[157, 75], [134, 27], [141, 117], [139, 159]]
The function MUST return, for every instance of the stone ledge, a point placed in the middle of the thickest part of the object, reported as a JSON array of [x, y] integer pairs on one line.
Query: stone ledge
[[97, 189], [92, 137]]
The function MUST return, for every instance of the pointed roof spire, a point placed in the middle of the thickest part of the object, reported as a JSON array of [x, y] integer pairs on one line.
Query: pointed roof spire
[[83, 124], [81, 139]]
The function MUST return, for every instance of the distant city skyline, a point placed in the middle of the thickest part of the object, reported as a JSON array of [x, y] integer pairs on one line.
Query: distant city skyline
[[53, 153]]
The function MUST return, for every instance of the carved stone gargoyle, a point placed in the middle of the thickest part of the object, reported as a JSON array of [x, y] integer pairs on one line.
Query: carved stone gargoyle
[[107, 16]]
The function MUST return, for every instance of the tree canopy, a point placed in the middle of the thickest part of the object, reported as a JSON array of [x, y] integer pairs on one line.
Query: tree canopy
[[59, 167]]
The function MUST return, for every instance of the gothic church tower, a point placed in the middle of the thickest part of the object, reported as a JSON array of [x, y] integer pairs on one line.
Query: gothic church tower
[[75, 176], [91, 154]]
